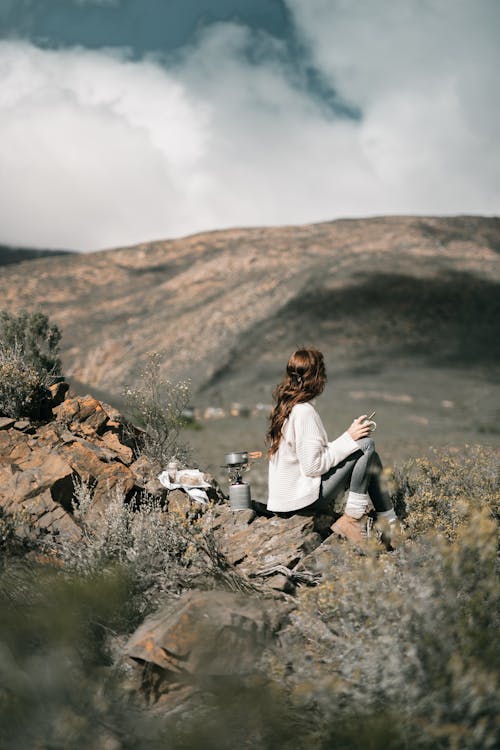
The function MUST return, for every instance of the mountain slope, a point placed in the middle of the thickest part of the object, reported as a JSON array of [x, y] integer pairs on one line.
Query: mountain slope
[[226, 307]]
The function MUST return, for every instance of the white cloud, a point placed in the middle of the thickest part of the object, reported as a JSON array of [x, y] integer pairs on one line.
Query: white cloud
[[424, 75], [97, 150]]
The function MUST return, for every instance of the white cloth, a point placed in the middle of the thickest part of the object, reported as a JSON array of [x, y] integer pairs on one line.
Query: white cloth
[[196, 488], [304, 454]]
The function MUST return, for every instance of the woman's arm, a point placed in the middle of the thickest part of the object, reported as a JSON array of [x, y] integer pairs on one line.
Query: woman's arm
[[315, 454]]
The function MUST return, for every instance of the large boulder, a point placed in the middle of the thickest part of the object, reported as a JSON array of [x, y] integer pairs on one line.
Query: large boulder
[[205, 634]]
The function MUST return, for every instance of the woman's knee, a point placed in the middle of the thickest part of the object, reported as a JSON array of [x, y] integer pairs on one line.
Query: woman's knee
[[367, 444]]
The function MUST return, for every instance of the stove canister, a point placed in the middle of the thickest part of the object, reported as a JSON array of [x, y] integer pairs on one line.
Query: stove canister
[[239, 496]]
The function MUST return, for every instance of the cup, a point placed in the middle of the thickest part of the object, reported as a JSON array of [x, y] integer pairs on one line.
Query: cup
[[371, 423], [172, 469]]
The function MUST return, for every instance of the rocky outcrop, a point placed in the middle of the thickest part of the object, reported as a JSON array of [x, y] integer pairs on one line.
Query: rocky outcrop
[[39, 464], [209, 639], [205, 637], [88, 441]]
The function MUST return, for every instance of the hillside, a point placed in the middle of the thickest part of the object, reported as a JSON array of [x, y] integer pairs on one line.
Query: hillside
[[226, 307]]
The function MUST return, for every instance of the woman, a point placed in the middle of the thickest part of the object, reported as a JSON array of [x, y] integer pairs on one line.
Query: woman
[[308, 471]]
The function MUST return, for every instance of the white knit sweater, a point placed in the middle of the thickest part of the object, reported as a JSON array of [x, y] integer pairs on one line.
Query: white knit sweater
[[304, 454]]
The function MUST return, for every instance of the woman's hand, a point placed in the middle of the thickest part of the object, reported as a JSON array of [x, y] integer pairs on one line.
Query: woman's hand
[[359, 428]]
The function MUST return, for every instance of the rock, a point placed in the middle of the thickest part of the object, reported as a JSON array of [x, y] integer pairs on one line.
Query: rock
[[233, 519], [258, 545], [226, 523], [54, 519], [281, 582], [50, 435], [82, 410], [115, 417], [184, 506], [114, 478], [104, 478], [324, 558], [146, 477], [323, 523], [83, 460], [10, 440], [212, 634], [58, 392], [24, 425], [37, 488], [143, 471], [39, 464], [123, 451], [67, 411]]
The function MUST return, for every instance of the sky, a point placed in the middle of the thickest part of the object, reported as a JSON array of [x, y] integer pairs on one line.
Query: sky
[[125, 121]]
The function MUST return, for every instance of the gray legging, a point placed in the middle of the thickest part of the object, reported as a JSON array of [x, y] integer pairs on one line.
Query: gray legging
[[360, 472]]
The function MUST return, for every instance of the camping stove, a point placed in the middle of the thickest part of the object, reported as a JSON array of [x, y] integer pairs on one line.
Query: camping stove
[[236, 464]]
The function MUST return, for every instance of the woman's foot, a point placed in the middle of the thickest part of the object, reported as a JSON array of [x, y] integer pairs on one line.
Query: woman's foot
[[355, 530], [390, 533]]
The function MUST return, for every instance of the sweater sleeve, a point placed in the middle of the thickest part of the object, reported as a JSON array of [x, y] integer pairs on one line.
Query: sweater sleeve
[[342, 447], [315, 454]]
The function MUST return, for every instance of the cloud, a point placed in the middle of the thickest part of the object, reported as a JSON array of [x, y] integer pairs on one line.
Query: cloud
[[95, 150], [424, 75], [98, 150]]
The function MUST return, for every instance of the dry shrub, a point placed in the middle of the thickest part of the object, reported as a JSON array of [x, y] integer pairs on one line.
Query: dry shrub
[[156, 405], [144, 541], [7, 530], [438, 493], [409, 636], [161, 552]]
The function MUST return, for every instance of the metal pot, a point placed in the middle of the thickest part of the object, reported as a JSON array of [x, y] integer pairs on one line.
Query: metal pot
[[236, 458]]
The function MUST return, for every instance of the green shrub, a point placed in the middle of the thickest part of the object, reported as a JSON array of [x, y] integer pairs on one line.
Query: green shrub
[[438, 493], [28, 362], [57, 689], [33, 338], [156, 405], [23, 389]]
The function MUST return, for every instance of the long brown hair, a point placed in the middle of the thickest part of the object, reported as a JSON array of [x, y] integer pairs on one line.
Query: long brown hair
[[305, 378]]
